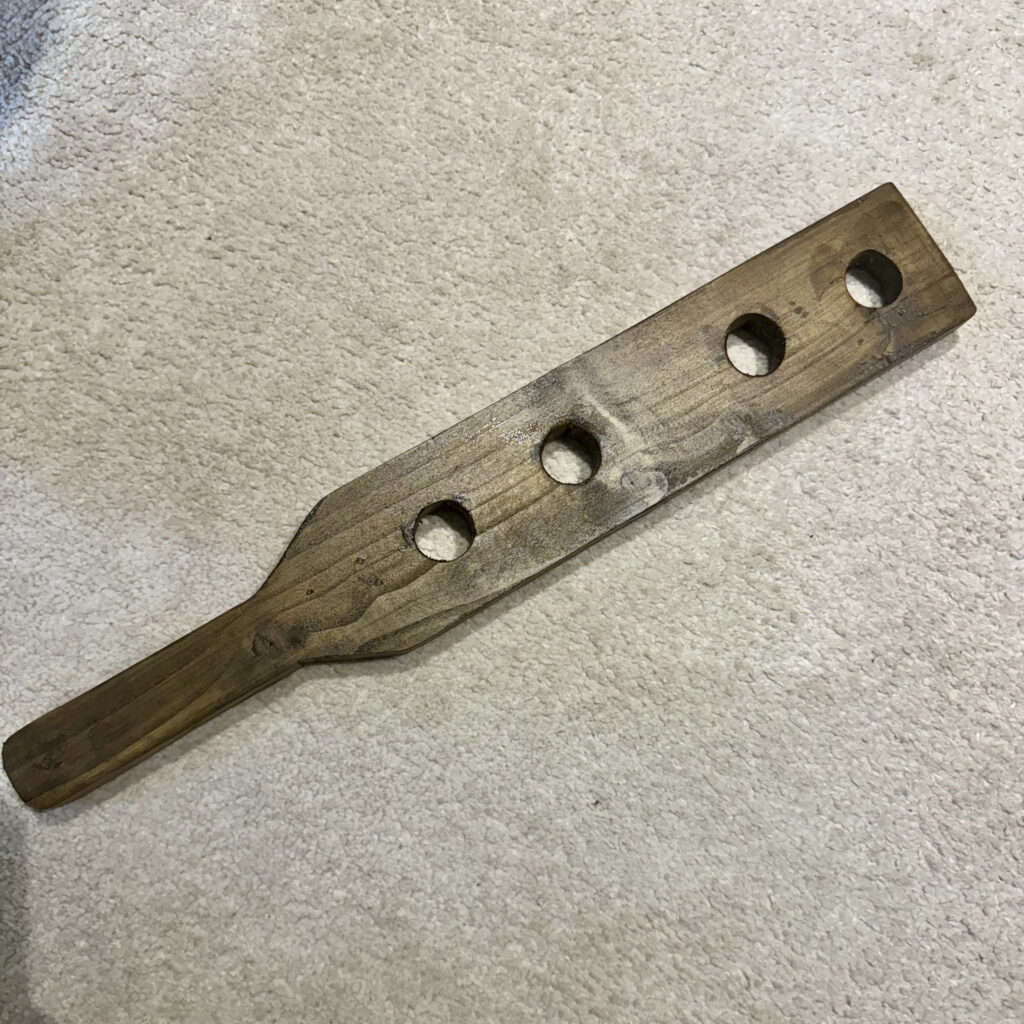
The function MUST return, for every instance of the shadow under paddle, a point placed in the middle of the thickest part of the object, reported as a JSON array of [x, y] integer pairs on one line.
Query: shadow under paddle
[[15, 1001]]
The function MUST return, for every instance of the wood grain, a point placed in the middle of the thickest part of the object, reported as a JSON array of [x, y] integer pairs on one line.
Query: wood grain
[[662, 400]]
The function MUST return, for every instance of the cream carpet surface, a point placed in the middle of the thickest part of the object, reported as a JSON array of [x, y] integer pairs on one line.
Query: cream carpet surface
[[757, 757]]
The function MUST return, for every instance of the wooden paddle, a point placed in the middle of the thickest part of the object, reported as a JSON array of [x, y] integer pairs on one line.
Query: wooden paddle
[[653, 410]]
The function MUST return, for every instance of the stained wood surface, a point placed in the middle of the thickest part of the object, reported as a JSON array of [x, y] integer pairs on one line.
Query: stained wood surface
[[662, 400]]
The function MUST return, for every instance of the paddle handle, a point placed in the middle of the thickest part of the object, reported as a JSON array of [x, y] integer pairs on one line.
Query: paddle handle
[[97, 735]]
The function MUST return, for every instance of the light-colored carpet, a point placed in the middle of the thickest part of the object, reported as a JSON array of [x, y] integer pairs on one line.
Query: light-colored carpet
[[759, 757]]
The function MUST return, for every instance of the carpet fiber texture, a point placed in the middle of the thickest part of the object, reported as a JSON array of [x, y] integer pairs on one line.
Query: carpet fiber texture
[[758, 757]]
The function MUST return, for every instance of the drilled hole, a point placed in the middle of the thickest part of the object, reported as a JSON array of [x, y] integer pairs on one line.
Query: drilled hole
[[873, 280], [570, 454], [755, 345], [444, 531]]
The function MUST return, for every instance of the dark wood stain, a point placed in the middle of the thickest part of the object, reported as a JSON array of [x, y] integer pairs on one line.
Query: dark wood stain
[[662, 400]]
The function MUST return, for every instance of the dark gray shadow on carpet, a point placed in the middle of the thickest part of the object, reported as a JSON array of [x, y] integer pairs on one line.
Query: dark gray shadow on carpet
[[26, 29], [15, 1004]]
